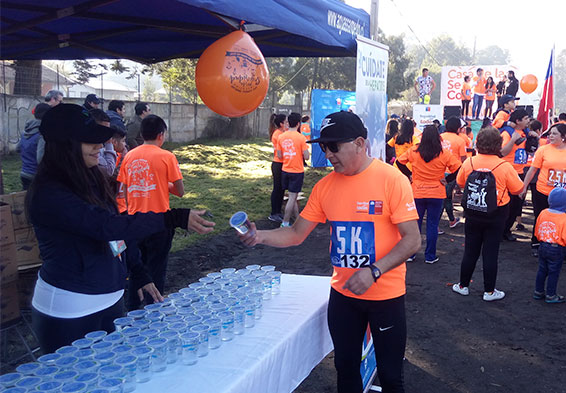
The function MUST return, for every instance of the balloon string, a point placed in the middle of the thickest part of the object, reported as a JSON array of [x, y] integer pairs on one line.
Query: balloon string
[[242, 27]]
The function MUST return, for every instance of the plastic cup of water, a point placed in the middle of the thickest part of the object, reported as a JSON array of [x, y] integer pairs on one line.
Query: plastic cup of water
[[105, 358], [97, 335], [111, 371], [202, 330], [173, 318], [83, 343], [169, 310], [49, 359], [137, 314], [66, 376], [47, 372], [74, 387], [149, 333], [275, 282], [121, 323], [160, 326], [50, 387], [214, 275], [185, 312], [192, 320], [154, 316], [87, 353], [122, 349], [143, 370], [152, 307], [253, 267], [268, 268], [239, 221], [257, 298], [213, 287], [196, 285], [130, 332], [179, 327], [214, 332], [86, 366], [90, 379], [28, 368], [222, 282], [227, 318], [266, 281], [114, 385], [227, 270], [173, 344], [66, 361], [183, 303], [102, 346], [190, 343], [159, 355], [184, 291], [200, 306], [141, 323], [29, 383], [206, 280], [249, 306], [258, 273], [218, 307], [15, 390], [137, 341], [211, 299], [222, 293], [239, 319], [9, 380], [129, 364], [67, 350], [114, 338], [205, 313]]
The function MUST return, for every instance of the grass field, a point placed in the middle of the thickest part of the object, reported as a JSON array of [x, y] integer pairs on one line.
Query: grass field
[[222, 176]]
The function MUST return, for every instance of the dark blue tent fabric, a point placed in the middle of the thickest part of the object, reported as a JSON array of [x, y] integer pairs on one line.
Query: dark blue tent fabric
[[155, 30]]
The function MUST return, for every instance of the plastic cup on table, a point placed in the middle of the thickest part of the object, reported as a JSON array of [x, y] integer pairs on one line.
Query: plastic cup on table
[[28, 368], [258, 273], [130, 332], [173, 345], [179, 327], [137, 314], [222, 293], [159, 355], [173, 318], [222, 282], [205, 313], [239, 283], [190, 344], [15, 390], [49, 359], [230, 301], [67, 350], [218, 307], [122, 349], [152, 307], [206, 280], [184, 291], [213, 287], [227, 318], [66, 361], [239, 319], [97, 335], [129, 363], [267, 288], [185, 312], [240, 272], [268, 268], [74, 387], [211, 299], [257, 298], [66, 376], [160, 326], [47, 372], [29, 383], [183, 303], [227, 271], [9, 380], [202, 330], [141, 323], [149, 333], [114, 338], [86, 366], [166, 302], [87, 353], [104, 358], [169, 310], [193, 320], [175, 297], [154, 316], [83, 343], [114, 385], [196, 285], [249, 306], [214, 275], [275, 282], [49, 387], [200, 306], [137, 341], [102, 346], [214, 332], [253, 267], [89, 378], [143, 366], [111, 371]]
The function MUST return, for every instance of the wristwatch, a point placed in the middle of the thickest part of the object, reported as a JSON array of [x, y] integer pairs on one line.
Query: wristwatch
[[375, 272]]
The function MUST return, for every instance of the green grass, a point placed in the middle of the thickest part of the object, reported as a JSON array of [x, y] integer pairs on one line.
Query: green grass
[[222, 176]]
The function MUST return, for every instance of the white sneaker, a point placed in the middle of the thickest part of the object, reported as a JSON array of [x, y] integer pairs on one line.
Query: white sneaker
[[464, 291], [432, 260], [495, 295]]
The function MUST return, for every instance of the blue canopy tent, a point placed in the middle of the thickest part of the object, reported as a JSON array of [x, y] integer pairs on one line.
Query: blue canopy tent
[[150, 31]]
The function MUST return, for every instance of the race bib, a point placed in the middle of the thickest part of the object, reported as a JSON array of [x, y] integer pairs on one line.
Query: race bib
[[353, 244], [117, 247], [556, 178], [521, 156]]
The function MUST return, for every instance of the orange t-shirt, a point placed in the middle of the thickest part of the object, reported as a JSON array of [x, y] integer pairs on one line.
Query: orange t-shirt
[[479, 87], [518, 156], [468, 143], [454, 144], [490, 93], [427, 175], [500, 118], [146, 172], [274, 138], [466, 91], [364, 211], [401, 149], [306, 131], [506, 179], [292, 144], [120, 197], [551, 227], [552, 164]]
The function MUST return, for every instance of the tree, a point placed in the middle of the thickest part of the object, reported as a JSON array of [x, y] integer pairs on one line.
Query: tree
[[28, 77], [148, 90], [179, 75], [560, 82], [397, 80], [492, 55], [85, 70]]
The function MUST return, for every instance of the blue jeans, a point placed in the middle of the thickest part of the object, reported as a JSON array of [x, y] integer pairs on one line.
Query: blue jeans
[[550, 259], [476, 108], [434, 208]]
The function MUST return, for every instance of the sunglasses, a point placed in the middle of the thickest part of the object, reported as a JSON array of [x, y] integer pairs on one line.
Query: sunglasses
[[334, 147]]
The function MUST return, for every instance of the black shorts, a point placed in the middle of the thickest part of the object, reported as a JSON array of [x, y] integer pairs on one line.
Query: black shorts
[[292, 181]]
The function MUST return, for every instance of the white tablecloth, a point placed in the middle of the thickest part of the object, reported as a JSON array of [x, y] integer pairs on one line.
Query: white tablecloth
[[274, 356]]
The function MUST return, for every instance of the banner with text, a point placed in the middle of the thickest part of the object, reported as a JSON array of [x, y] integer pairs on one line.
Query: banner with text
[[371, 92], [424, 115]]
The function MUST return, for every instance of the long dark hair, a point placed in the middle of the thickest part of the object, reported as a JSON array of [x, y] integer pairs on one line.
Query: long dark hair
[[272, 126], [489, 84], [406, 133], [63, 163], [431, 144], [391, 129]]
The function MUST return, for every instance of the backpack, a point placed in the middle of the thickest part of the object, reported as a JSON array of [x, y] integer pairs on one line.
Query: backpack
[[480, 191]]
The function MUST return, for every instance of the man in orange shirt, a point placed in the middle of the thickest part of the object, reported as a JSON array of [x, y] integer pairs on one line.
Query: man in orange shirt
[[504, 112], [479, 92], [371, 210], [292, 148], [148, 174], [456, 146]]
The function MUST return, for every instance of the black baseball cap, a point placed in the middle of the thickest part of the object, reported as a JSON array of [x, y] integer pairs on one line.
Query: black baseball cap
[[508, 97], [92, 98], [340, 126], [70, 121]]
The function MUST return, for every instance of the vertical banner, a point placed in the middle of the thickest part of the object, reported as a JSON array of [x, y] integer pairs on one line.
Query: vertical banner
[[371, 92]]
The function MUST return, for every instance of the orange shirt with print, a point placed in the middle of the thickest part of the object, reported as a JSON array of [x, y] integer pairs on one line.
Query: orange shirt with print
[[490, 93], [120, 197], [552, 164], [364, 211], [427, 175], [506, 178], [292, 144], [518, 156], [551, 227], [500, 118], [466, 91], [146, 172], [274, 139], [455, 145], [479, 87], [306, 131]]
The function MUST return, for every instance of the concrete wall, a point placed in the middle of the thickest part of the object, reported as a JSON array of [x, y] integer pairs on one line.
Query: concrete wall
[[186, 122]]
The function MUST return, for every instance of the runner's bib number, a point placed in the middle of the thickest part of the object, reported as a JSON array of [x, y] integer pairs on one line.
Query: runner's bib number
[[353, 244], [521, 156], [557, 178]]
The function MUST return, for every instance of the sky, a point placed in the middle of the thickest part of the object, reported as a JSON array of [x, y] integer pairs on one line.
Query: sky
[[527, 28]]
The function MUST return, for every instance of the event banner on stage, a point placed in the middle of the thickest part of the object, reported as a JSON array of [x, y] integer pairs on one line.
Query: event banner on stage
[[424, 115], [452, 78], [371, 92]]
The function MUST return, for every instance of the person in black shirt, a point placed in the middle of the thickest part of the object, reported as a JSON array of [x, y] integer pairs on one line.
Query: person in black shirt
[[501, 89], [513, 85]]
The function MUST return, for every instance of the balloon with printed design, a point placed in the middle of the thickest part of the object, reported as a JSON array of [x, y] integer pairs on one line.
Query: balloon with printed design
[[231, 75], [529, 83]]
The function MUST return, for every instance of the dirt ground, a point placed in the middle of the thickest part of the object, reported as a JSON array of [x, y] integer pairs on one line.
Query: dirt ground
[[455, 343]]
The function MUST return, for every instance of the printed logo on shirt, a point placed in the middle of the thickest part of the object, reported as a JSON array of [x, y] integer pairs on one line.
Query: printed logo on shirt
[[352, 244], [141, 178], [547, 232], [411, 206], [288, 148], [446, 145], [371, 207]]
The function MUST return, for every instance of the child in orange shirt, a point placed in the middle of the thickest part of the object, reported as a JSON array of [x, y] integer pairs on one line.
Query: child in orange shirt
[[466, 97], [551, 231]]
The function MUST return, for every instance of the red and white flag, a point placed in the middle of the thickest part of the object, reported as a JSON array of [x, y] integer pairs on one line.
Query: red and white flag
[[547, 100]]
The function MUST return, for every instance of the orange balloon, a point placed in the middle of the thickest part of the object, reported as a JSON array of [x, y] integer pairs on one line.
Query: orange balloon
[[231, 75], [529, 83]]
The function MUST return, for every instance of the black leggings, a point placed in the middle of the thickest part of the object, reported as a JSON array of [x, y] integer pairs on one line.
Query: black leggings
[[348, 320], [540, 202], [53, 333], [488, 108], [465, 108], [483, 235], [278, 192], [515, 209]]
